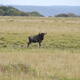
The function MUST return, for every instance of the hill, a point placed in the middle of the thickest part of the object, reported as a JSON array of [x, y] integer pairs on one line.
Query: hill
[[11, 11], [50, 10]]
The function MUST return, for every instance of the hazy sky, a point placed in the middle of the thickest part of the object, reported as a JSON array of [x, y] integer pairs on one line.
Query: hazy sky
[[40, 2]]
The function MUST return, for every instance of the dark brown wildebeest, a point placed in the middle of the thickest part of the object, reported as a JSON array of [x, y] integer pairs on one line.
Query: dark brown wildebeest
[[36, 39]]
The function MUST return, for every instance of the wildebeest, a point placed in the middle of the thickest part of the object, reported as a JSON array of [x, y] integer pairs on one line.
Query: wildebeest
[[36, 39]]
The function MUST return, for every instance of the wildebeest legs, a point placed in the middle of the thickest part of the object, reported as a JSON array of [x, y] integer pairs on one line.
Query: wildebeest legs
[[28, 44], [39, 44]]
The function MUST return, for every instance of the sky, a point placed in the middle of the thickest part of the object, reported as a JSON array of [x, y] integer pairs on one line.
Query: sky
[[41, 2]]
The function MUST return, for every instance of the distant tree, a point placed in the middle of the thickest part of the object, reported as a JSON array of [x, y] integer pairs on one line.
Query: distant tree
[[1, 12], [61, 15], [34, 13], [67, 15]]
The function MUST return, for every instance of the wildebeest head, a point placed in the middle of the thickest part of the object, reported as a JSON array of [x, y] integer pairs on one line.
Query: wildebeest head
[[37, 38], [41, 36]]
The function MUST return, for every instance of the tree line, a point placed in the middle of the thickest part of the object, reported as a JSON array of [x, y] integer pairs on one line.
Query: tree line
[[11, 11]]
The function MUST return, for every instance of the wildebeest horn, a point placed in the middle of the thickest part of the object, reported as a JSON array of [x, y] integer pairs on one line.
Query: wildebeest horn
[[46, 33]]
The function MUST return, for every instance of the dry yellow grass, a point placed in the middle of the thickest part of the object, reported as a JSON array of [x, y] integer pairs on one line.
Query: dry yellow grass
[[58, 63], [35, 25], [48, 63]]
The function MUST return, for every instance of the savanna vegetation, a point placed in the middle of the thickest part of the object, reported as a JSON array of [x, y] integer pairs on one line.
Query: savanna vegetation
[[57, 59], [11, 11], [67, 15]]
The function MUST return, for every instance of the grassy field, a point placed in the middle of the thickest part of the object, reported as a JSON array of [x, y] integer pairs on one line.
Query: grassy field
[[57, 59]]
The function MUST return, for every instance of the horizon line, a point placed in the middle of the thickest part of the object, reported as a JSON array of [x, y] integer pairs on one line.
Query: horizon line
[[33, 5]]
